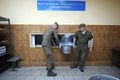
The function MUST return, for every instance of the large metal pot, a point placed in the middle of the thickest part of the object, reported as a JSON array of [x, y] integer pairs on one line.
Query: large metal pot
[[102, 77], [66, 49]]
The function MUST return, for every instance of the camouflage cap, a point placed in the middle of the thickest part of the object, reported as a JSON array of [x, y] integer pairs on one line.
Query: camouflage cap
[[81, 25], [56, 24]]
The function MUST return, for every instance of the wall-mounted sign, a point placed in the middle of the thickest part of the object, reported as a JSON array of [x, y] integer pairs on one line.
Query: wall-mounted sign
[[61, 5]]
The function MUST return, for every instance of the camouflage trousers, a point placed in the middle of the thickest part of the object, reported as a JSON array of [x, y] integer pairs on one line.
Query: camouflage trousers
[[49, 60], [80, 56]]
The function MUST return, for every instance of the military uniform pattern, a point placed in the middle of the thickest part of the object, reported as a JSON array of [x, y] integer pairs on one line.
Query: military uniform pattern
[[48, 36], [82, 46]]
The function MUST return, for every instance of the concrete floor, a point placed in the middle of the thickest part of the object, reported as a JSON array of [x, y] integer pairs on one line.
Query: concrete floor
[[63, 73]]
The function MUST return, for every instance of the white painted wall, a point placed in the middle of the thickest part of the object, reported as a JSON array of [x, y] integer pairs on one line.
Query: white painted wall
[[98, 12]]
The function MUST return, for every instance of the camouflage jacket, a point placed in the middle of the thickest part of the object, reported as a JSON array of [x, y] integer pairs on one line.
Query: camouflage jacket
[[50, 37]]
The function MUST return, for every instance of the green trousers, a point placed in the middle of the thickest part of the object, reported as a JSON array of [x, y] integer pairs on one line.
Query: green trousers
[[48, 53], [80, 56]]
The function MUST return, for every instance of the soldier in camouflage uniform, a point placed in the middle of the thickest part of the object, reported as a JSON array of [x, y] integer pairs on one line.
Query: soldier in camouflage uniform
[[49, 37], [83, 40]]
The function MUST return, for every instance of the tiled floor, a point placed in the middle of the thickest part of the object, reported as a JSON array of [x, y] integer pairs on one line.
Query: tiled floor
[[63, 73]]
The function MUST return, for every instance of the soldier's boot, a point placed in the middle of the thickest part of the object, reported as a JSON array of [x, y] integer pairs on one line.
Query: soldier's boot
[[81, 68], [50, 73], [73, 66]]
